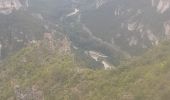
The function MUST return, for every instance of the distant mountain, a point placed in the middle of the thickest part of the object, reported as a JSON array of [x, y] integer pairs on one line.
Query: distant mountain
[[132, 26], [127, 26], [117, 29]]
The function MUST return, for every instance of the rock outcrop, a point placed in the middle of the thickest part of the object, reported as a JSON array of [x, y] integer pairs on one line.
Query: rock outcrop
[[7, 6]]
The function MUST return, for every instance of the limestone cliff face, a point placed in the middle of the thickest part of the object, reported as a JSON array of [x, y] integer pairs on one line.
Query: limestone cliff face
[[126, 25], [131, 25], [161, 5], [106, 26], [7, 6]]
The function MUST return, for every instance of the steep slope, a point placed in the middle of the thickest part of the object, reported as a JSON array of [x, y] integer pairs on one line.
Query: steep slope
[[118, 29], [130, 25], [37, 74], [111, 27], [17, 29]]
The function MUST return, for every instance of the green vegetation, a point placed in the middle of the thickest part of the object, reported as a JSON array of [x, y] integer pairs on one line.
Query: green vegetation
[[36, 74]]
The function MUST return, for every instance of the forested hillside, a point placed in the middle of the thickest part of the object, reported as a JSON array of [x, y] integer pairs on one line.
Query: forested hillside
[[34, 73]]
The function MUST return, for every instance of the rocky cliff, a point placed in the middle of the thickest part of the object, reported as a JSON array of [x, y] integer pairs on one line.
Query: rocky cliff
[[7, 6], [111, 27]]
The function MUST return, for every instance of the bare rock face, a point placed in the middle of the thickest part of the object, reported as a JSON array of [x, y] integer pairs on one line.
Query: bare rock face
[[127, 24], [65, 45], [7, 6], [0, 50], [161, 5], [167, 29], [108, 26]]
